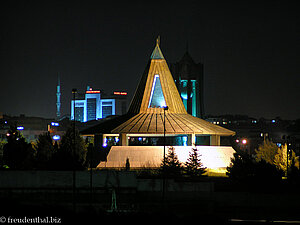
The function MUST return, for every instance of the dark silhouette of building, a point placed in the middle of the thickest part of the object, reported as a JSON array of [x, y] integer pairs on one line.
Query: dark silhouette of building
[[188, 77]]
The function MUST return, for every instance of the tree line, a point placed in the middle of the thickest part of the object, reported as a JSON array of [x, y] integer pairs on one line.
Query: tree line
[[268, 166], [44, 154], [270, 162], [74, 153]]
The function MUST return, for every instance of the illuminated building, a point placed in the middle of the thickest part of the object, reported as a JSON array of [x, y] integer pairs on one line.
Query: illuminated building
[[92, 106], [188, 77], [147, 120], [156, 90]]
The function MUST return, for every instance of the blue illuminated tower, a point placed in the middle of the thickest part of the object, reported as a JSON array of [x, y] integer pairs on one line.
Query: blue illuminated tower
[[188, 77], [58, 104]]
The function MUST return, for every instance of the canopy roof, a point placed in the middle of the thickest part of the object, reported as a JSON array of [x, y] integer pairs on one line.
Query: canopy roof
[[152, 123], [155, 91]]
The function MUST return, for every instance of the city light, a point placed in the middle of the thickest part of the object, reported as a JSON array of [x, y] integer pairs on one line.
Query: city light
[[20, 128], [92, 92], [279, 145], [120, 93], [104, 142], [244, 141], [56, 137]]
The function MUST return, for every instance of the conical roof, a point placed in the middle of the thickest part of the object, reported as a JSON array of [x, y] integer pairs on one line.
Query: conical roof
[[157, 54], [156, 90]]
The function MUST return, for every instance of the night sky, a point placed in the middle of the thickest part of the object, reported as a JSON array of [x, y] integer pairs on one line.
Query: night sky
[[250, 51]]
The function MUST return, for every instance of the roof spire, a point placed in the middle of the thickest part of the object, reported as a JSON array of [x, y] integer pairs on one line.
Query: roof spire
[[157, 54], [158, 40]]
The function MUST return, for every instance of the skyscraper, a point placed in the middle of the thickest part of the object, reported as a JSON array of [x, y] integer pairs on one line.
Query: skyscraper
[[93, 105]]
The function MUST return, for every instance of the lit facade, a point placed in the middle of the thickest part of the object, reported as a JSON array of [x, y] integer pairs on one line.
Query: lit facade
[[92, 106], [143, 134]]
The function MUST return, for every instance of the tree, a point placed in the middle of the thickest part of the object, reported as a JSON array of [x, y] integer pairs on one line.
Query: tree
[[242, 166], [93, 156], [2, 144], [72, 151], [193, 165], [274, 155], [44, 151], [283, 157], [249, 171], [171, 166], [267, 152], [17, 153]]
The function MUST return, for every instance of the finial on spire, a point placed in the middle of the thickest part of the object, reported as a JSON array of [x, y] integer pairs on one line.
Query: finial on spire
[[157, 54], [158, 40]]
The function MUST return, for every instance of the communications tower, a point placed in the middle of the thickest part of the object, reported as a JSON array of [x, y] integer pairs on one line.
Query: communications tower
[[58, 104]]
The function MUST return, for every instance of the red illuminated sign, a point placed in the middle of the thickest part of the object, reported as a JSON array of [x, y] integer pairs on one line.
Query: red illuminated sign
[[92, 92], [120, 93]]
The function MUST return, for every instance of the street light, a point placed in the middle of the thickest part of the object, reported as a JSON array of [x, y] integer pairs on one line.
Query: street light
[[287, 142], [165, 108], [164, 159], [244, 143]]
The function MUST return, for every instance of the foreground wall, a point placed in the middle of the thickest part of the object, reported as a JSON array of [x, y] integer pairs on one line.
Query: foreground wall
[[45, 181], [212, 157]]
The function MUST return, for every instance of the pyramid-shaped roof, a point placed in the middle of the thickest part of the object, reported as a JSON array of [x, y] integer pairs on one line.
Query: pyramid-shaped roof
[[156, 90], [156, 84], [157, 54]]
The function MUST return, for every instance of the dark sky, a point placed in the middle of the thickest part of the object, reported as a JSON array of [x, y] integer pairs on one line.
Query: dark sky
[[250, 51]]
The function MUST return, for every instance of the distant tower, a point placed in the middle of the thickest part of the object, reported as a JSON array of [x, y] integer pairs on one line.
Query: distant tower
[[58, 104], [188, 77]]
